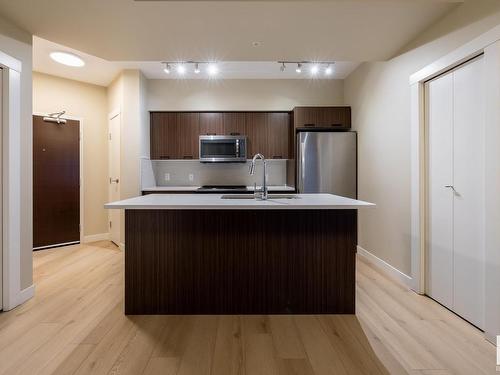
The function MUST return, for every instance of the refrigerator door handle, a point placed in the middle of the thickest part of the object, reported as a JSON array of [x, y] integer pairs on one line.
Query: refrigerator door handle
[[301, 170]]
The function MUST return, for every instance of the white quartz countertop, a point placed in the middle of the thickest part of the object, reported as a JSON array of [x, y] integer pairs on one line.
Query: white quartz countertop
[[215, 202], [194, 188]]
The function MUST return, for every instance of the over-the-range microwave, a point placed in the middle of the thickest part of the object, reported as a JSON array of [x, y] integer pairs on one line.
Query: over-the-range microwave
[[223, 148]]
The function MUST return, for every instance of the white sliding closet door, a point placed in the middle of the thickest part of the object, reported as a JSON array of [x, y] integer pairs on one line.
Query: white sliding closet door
[[468, 179], [455, 257], [1, 190], [440, 151]]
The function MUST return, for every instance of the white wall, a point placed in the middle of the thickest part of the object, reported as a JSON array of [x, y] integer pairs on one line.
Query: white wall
[[17, 43], [379, 94], [88, 102], [242, 94]]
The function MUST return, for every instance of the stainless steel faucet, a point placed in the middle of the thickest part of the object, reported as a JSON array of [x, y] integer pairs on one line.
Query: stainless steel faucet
[[261, 193]]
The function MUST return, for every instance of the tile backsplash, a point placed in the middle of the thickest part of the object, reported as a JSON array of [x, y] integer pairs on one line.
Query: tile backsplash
[[194, 173]]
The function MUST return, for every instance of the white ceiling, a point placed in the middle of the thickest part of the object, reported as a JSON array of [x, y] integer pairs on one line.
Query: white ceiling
[[151, 31], [101, 72]]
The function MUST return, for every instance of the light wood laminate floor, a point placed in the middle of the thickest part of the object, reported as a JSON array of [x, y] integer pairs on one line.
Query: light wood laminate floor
[[75, 325]]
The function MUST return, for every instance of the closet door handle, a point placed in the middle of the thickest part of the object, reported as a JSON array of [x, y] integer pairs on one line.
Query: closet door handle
[[450, 187]]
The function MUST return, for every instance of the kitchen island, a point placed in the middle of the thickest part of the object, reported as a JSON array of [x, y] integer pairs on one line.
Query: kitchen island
[[215, 254]]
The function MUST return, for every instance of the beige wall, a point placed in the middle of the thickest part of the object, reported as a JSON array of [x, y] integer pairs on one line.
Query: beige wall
[[379, 94], [17, 43], [242, 94], [127, 94], [88, 103]]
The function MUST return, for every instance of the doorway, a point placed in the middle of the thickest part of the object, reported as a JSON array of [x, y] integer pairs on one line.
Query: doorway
[[56, 182], [455, 118], [114, 177]]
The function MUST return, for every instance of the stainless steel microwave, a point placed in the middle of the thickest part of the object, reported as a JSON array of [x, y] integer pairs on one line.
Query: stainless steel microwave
[[223, 148]]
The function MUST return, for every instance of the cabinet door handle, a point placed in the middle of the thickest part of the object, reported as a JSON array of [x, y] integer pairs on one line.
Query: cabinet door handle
[[187, 157], [234, 134], [450, 187], [164, 157], [337, 125], [277, 157], [211, 133], [309, 125]]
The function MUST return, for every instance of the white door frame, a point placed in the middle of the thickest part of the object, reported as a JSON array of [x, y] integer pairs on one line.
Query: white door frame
[[489, 45], [11, 176], [112, 115], [80, 172]]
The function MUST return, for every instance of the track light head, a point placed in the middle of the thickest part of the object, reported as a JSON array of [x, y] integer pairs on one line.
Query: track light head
[[282, 67], [197, 68], [299, 68], [166, 69], [212, 69], [329, 70]]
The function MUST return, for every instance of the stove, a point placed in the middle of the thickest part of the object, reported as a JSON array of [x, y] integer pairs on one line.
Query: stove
[[223, 189]]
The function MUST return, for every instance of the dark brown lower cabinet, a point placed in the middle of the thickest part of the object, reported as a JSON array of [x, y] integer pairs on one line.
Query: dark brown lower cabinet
[[240, 261]]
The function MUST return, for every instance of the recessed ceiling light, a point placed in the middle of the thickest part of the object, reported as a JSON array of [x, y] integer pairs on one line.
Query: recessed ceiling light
[[212, 69], [67, 58]]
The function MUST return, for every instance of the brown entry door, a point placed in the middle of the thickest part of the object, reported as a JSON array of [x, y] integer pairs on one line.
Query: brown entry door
[[56, 183]]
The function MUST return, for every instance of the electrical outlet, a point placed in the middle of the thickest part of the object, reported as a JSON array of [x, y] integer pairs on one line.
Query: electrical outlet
[[191, 177], [167, 176]]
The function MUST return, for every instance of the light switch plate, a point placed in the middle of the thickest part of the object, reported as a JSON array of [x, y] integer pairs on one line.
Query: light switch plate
[[167, 176], [191, 177]]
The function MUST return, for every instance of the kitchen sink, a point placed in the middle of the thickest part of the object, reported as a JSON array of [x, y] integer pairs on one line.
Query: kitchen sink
[[269, 197]]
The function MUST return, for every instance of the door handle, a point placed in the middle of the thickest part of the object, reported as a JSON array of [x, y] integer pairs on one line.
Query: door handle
[[450, 187], [113, 181]]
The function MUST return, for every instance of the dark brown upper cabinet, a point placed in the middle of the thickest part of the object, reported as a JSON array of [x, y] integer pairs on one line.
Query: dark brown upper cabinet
[[278, 135], [269, 134], [256, 132], [234, 123], [211, 123], [164, 135], [189, 130], [175, 135], [322, 117]]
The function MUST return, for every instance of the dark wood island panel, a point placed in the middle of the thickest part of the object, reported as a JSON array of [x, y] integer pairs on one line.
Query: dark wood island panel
[[240, 261]]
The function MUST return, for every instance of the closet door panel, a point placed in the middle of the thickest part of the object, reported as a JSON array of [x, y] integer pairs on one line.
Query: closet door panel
[[469, 205], [440, 220]]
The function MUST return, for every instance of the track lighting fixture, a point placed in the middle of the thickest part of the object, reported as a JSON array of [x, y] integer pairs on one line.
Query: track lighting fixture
[[197, 68], [314, 67]]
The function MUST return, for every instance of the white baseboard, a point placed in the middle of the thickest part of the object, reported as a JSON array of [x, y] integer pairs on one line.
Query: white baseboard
[[26, 294], [385, 267], [96, 237]]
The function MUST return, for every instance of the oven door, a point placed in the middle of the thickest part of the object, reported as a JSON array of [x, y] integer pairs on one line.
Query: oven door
[[222, 149]]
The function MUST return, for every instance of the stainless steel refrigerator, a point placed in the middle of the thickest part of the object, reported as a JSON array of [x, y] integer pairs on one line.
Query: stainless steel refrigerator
[[327, 162]]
